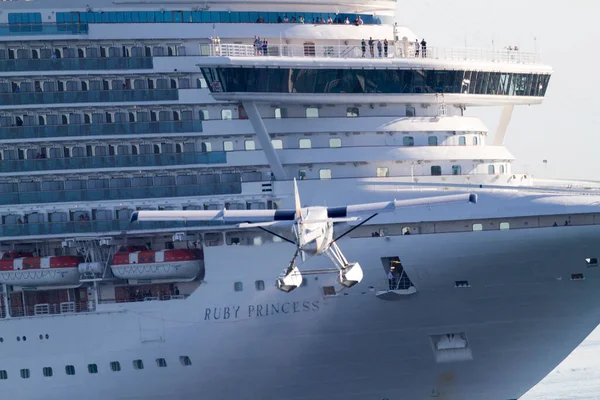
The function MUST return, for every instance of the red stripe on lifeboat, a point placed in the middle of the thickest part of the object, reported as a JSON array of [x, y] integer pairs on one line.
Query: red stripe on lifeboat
[[149, 256]]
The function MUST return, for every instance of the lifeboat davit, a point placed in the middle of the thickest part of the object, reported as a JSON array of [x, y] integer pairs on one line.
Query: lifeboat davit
[[39, 271], [175, 264]]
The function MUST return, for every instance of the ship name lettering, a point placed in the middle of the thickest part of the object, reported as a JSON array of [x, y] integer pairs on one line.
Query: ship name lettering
[[260, 310]]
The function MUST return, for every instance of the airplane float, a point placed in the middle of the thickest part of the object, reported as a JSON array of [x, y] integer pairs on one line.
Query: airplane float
[[311, 226]]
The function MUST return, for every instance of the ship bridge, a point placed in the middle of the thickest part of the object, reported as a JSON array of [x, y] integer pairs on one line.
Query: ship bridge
[[382, 74]]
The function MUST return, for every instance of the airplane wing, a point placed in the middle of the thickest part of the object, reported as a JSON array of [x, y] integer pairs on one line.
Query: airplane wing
[[386, 206], [256, 218]]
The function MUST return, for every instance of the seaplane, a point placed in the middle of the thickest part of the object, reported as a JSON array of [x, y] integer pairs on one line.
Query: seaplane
[[312, 228]]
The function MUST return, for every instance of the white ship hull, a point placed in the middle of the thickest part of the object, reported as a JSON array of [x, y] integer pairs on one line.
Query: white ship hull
[[521, 309]]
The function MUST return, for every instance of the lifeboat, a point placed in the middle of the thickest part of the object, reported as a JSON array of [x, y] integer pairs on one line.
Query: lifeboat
[[176, 264], [39, 271]]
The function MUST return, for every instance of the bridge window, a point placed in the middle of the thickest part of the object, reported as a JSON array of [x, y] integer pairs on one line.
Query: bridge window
[[456, 170], [249, 145], [138, 364], [277, 144], [115, 366], [477, 227], [504, 226], [260, 285], [325, 173], [238, 286], [92, 368], [47, 371], [352, 112], [226, 114], [305, 143], [25, 373], [228, 145], [408, 141], [491, 170], [436, 170], [312, 112], [70, 370], [432, 141], [383, 172], [335, 142], [185, 361]]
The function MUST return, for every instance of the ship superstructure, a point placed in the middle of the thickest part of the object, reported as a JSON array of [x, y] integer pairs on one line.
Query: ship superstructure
[[111, 108]]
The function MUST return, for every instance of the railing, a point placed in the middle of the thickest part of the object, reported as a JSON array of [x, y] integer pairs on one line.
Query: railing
[[43, 29], [101, 96], [68, 64], [51, 309], [60, 196], [95, 129], [356, 51], [122, 161]]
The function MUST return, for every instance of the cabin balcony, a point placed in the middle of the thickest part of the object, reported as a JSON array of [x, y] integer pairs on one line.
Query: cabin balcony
[[39, 29], [49, 165], [100, 96], [75, 64], [104, 129]]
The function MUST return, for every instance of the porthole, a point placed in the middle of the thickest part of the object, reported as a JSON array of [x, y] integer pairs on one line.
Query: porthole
[[25, 373], [3, 374], [41, 337], [18, 338], [260, 285], [138, 364], [92, 368], [115, 366], [47, 371], [70, 370], [161, 362], [24, 338], [47, 336], [185, 361], [238, 286]]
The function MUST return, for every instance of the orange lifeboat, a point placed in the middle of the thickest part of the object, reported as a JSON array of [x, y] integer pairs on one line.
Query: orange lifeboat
[[39, 271], [177, 264]]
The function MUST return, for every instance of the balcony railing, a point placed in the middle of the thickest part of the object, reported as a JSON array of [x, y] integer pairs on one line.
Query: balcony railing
[[105, 129], [43, 29], [96, 227], [122, 161], [71, 64], [398, 50], [60, 196], [103, 96]]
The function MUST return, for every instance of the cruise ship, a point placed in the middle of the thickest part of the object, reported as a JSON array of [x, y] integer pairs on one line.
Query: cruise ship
[[116, 109]]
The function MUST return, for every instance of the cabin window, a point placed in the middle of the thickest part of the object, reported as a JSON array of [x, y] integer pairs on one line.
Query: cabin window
[[329, 291], [352, 112], [410, 111], [436, 170], [501, 169], [312, 112], [203, 115], [249, 145], [70, 370], [278, 113], [456, 170], [302, 174], [432, 141], [226, 114], [477, 227], [185, 361], [304, 282], [504, 226], [228, 145], [161, 362], [383, 172], [325, 173], [25, 373], [3, 374], [260, 285], [591, 262], [115, 366], [138, 364], [47, 371], [238, 286], [92, 368], [277, 144], [335, 142], [475, 141], [408, 141], [305, 143], [491, 170], [462, 141], [213, 239]]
